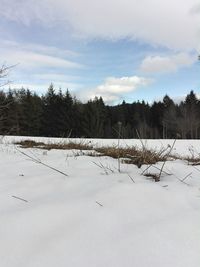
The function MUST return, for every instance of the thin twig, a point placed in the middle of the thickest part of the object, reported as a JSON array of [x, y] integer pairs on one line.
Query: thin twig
[[105, 168], [99, 204], [22, 199], [186, 177], [40, 162], [196, 168], [161, 170], [131, 178], [143, 146], [182, 181], [119, 134], [153, 166]]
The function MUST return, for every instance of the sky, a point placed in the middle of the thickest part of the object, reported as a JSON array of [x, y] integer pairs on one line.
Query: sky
[[118, 49]]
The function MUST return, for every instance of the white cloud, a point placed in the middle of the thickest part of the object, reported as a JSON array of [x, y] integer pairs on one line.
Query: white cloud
[[39, 66], [172, 24], [39, 48], [162, 64], [114, 89], [28, 59], [34, 56]]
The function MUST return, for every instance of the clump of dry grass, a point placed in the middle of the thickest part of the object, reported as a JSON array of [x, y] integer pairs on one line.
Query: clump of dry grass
[[194, 161], [30, 144], [70, 145], [133, 155], [61, 146], [194, 157]]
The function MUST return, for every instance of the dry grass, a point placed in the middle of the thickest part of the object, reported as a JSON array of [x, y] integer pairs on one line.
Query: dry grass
[[133, 155], [129, 155], [30, 144], [194, 161], [194, 158], [62, 145]]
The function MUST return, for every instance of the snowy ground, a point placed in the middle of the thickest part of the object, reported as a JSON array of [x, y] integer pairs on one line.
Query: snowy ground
[[94, 219]]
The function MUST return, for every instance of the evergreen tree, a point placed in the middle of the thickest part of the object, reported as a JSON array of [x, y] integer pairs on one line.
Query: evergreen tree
[[94, 118], [11, 122], [191, 106], [170, 121], [50, 113]]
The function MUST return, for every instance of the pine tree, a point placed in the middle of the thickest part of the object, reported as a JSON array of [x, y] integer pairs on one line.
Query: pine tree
[[191, 106], [49, 123], [94, 118]]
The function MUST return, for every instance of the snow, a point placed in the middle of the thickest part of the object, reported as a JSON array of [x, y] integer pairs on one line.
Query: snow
[[91, 219]]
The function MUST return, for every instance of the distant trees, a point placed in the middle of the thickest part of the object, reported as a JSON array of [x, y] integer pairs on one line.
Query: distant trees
[[2, 107], [94, 118], [189, 121], [29, 112], [169, 121], [3, 100], [183, 120], [58, 114], [51, 113]]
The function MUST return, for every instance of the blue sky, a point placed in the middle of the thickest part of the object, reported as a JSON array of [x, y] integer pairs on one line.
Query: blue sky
[[121, 50]]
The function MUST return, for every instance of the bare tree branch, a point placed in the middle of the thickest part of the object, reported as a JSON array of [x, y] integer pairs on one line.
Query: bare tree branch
[[4, 72]]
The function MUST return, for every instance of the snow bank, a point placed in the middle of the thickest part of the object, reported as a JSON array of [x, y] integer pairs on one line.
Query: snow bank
[[90, 219]]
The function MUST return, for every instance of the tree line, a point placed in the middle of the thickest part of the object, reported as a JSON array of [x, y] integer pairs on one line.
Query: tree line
[[58, 114]]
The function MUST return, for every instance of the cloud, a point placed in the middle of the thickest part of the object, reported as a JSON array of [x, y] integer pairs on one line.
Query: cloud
[[39, 66], [163, 64], [114, 89], [171, 24], [28, 59], [35, 56]]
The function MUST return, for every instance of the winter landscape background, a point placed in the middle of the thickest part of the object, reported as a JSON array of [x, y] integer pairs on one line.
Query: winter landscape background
[[92, 214], [99, 133]]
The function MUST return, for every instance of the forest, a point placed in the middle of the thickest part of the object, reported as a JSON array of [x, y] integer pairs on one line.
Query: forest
[[58, 114]]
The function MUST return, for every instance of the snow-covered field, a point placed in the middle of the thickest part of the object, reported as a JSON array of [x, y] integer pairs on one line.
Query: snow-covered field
[[93, 218]]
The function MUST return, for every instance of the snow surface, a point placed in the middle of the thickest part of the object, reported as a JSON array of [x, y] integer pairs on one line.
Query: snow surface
[[94, 219]]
